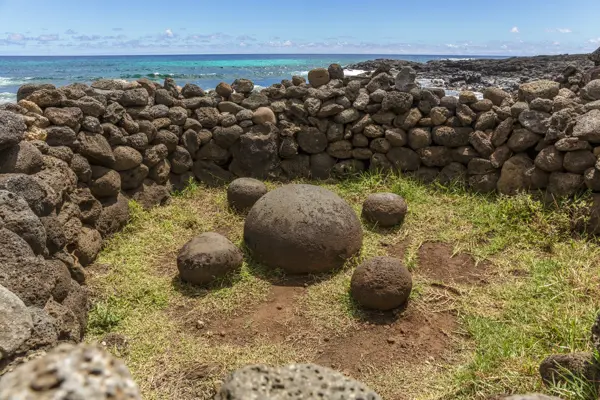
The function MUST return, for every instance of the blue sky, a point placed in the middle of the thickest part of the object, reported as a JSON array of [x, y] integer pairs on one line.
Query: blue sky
[[481, 27]]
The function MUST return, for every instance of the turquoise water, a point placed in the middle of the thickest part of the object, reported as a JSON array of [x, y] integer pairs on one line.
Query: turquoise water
[[204, 70]]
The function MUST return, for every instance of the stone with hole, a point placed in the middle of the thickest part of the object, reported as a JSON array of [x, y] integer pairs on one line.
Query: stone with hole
[[384, 209], [243, 193], [302, 229], [381, 283], [208, 257]]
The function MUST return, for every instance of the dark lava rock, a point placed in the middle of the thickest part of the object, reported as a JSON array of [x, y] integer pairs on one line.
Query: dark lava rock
[[208, 257], [302, 229], [381, 283], [384, 209], [243, 193]]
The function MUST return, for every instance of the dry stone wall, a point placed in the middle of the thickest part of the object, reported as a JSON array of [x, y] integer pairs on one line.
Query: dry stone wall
[[71, 157]]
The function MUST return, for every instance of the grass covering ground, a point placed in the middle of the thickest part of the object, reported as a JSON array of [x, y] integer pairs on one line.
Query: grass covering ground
[[539, 296]]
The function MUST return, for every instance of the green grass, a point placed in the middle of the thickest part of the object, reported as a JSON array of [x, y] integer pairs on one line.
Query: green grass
[[540, 297]]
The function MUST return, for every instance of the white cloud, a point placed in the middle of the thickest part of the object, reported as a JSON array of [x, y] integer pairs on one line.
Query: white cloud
[[16, 37], [514, 30], [287, 43], [564, 30], [169, 33], [595, 41], [452, 46], [556, 44], [504, 46]]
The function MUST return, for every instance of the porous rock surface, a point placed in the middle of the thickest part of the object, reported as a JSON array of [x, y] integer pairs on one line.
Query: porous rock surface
[[384, 209], [243, 193], [302, 229], [71, 372], [292, 382], [15, 323], [381, 283], [207, 257]]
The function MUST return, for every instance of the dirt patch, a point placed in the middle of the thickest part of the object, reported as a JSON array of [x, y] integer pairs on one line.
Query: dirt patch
[[413, 338], [437, 262], [377, 340]]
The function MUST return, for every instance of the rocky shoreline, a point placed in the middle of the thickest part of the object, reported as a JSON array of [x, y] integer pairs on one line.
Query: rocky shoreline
[[478, 74]]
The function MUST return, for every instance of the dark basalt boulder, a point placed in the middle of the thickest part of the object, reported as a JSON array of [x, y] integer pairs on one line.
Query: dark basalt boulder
[[208, 257], [381, 283], [302, 229], [243, 193], [384, 209]]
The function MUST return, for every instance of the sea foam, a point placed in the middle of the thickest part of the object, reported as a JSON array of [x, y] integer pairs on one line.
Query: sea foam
[[6, 97]]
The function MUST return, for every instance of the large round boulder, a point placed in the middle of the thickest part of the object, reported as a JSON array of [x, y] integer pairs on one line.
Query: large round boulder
[[243, 193], [292, 382], [384, 209], [15, 322], [381, 283], [302, 229], [207, 257]]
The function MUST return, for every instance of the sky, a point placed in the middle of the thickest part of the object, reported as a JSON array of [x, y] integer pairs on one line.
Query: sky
[[448, 27]]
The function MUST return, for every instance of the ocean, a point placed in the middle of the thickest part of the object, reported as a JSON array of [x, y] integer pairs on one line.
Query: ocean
[[204, 70]]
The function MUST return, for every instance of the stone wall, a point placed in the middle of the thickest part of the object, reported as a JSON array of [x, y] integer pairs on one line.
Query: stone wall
[[71, 157]]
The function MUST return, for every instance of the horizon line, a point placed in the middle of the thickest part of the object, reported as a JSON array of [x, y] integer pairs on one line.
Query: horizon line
[[288, 54]]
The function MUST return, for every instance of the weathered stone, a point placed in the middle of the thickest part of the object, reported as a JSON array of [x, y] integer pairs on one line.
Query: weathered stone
[[106, 182], [522, 139], [512, 176], [114, 215], [12, 129], [588, 127], [292, 382], [23, 158], [15, 323], [564, 184], [403, 159], [84, 372], [96, 149], [311, 140], [578, 161], [451, 137], [16, 216], [384, 209], [325, 219], [544, 89], [318, 77]]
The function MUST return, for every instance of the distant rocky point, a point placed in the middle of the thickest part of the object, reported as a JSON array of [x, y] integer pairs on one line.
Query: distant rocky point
[[478, 74]]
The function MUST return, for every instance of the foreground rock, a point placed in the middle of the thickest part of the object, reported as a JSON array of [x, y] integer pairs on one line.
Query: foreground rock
[[302, 229], [384, 209], [381, 283], [208, 257], [292, 382], [71, 372], [243, 193], [15, 323]]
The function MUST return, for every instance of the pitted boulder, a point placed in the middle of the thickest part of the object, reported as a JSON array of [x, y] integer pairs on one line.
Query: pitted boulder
[[318, 77], [16, 216], [292, 382], [75, 372], [208, 257], [243, 193], [384, 209], [381, 283], [302, 229], [12, 129]]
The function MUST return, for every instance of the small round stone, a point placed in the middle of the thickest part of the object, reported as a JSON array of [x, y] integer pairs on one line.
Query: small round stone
[[242, 193], [381, 283], [208, 257], [384, 209]]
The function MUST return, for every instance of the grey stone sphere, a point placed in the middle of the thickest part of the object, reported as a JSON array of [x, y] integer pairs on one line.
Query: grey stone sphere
[[243, 193], [381, 283], [384, 209], [207, 257], [302, 229]]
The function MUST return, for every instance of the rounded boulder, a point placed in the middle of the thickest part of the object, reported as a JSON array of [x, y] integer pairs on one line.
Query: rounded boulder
[[381, 283], [302, 229], [243, 193], [384, 209], [207, 257]]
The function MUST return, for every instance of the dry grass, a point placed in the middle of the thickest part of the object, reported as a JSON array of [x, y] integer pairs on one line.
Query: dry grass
[[540, 297]]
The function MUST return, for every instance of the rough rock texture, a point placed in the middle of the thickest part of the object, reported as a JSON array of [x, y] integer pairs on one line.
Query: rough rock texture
[[71, 372], [292, 382], [381, 283], [243, 193], [302, 229], [556, 368], [208, 257], [384, 209], [15, 323]]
